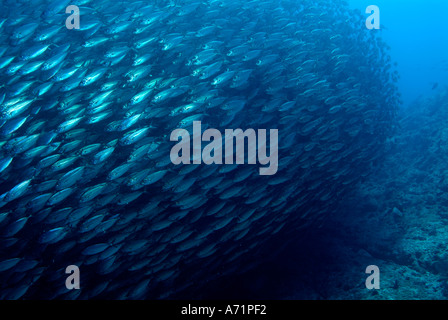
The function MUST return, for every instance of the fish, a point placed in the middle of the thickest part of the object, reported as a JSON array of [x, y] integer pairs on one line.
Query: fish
[[86, 117]]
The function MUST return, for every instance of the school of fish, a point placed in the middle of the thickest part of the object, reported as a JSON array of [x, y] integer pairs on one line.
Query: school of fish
[[86, 116]]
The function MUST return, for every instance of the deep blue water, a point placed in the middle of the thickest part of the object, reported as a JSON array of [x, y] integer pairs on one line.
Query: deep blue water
[[415, 31]]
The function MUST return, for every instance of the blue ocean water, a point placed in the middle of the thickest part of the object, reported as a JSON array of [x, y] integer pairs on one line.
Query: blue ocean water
[[415, 32], [106, 167]]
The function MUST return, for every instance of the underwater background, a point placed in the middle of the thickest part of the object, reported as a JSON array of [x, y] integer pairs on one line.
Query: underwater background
[[355, 149]]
